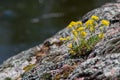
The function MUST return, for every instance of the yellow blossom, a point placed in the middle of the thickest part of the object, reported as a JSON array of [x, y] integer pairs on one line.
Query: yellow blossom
[[92, 29], [89, 23], [105, 22], [80, 29], [95, 17], [75, 32], [70, 45], [83, 33], [63, 39], [69, 26], [68, 37], [72, 24], [101, 35], [72, 52], [79, 23], [79, 34]]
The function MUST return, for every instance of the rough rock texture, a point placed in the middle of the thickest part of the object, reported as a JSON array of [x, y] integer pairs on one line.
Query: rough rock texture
[[51, 60]]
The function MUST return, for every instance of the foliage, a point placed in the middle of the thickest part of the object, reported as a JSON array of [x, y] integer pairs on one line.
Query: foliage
[[84, 36]]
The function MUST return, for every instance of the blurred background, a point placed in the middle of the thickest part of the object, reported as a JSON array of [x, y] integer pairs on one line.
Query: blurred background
[[26, 23]]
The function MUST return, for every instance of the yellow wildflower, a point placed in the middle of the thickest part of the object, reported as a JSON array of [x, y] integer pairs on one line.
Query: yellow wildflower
[[64, 39], [72, 52], [95, 17], [70, 45], [83, 33], [92, 29], [80, 29], [72, 24], [69, 26], [89, 23], [61, 39], [75, 32], [79, 23], [68, 37], [101, 35], [105, 22]]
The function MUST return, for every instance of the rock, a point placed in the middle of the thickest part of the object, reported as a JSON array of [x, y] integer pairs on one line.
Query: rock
[[51, 60]]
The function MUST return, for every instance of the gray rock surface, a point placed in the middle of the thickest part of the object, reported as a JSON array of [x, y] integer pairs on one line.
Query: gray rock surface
[[51, 60]]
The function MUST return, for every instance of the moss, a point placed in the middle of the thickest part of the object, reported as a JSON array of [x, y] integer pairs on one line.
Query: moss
[[47, 76], [28, 67]]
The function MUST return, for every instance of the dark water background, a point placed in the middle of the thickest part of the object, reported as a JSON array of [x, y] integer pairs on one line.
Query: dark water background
[[26, 23]]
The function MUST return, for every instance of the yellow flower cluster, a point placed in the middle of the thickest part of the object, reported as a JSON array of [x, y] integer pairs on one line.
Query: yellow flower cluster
[[105, 23], [75, 33], [91, 29], [72, 24], [94, 17], [80, 29], [70, 45], [101, 35], [64, 39], [79, 34], [79, 23], [83, 33], [89, 23]]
